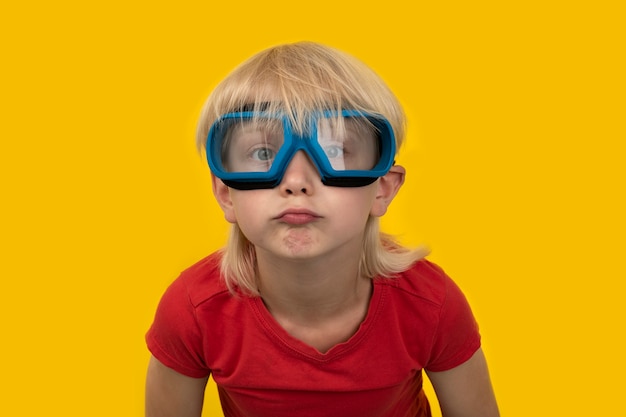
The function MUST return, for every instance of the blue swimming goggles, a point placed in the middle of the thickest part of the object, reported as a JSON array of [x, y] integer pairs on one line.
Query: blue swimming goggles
[[251, 149]]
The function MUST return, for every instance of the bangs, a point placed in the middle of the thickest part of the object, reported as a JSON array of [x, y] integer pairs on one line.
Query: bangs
[[300, 80], [303, 120]]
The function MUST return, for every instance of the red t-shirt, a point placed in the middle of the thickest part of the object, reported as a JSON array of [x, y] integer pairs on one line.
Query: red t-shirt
[[417, 320]]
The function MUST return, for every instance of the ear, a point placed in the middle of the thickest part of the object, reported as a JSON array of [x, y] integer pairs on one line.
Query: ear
[[388, 187], [222, 194]]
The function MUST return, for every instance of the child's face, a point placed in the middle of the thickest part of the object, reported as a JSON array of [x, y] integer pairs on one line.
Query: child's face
[[302, 218]]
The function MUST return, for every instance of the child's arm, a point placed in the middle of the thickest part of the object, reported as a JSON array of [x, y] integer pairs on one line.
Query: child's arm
[[465, 391], [170, 394]]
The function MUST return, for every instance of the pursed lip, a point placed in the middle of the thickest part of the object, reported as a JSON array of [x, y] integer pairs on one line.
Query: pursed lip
[[297, 216]]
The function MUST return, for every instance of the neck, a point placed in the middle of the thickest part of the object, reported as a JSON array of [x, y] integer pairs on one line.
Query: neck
[[312, 290]]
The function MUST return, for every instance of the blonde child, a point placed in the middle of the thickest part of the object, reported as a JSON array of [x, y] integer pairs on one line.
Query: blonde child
[[310, 310]]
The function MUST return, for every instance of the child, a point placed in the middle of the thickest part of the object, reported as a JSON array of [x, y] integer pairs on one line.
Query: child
[[310, 310]]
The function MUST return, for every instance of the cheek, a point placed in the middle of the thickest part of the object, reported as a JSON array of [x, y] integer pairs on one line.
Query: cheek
[[247, 206], [357, 202]]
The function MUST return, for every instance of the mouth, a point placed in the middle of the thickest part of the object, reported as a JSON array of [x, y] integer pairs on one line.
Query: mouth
[[297, 216]]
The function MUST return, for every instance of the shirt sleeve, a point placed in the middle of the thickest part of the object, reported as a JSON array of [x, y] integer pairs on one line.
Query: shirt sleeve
[[175, 338], [457, 336]]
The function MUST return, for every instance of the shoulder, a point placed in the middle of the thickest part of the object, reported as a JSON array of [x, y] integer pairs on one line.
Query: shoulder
[[177, 334], [424, 280], [433, 315], [201, 281]]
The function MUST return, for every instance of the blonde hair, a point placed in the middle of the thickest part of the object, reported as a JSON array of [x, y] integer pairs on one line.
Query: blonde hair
[[299, 79]]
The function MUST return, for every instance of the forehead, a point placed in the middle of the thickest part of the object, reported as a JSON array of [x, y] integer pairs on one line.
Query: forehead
[[253, 127]]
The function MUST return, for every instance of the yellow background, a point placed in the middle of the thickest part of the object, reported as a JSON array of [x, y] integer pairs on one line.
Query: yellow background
[[516, 181]]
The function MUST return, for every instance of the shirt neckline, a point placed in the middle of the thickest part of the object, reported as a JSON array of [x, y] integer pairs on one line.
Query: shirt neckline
[[299, 348]]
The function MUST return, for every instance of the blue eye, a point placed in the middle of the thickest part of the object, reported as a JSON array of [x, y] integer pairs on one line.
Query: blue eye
[[263, 154], [333, 151]]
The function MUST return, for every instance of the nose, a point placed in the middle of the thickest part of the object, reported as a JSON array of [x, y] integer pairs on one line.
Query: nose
[[300, 175]]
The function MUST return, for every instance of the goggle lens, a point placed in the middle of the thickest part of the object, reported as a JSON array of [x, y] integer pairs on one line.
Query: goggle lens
[[249, 150]]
